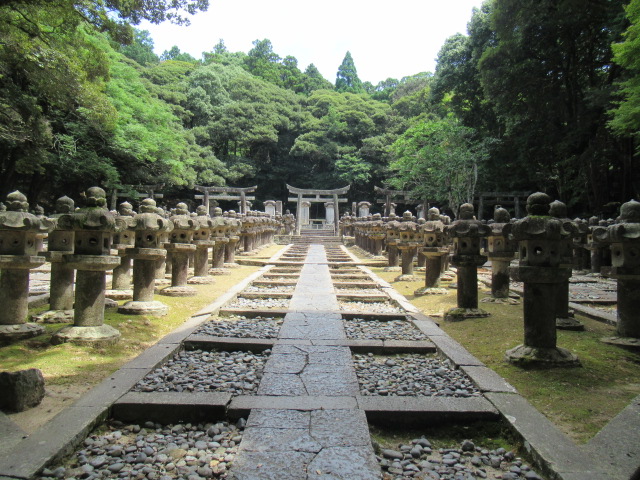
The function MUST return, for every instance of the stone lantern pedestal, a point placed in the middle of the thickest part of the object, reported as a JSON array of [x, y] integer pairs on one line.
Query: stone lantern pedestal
[[88, 321], [18, 255], [203, 242], [408, 245], [233, 234], [624, 238], [500, 251], [122, 274], [219, 232], [392, 236], [467, 233], [93, 227], [179, 250], [62, 276], [150, 229], [434, 251], [564, 318], [539, 236]]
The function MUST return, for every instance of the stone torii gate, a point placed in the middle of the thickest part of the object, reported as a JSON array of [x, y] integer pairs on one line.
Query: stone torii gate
[[226, 193], [143, 191], [502, 198], [318, 196], [390, 195]]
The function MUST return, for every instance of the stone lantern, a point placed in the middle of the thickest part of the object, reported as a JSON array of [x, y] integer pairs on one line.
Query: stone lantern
[[180, 247], [500, 250], [377, 234], [410, 240], [539, 238], [93, 228], [150, 230], [467, 234], [122, 240], [434, 250], [233, 233], [581, 260], [220, 229], [62, 277], [289, 221], [564, 318], [421, 259], [624, 239], [599, 250], [392, 232], [203, 242], [18, 254]]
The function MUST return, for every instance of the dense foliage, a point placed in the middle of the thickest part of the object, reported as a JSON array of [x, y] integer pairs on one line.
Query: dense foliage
[[536, 96]]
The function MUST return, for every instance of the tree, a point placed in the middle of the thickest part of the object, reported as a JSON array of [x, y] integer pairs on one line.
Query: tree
[[347, 77], [313, 80], [176, 54], [141, 49], [263, 62], [626, 116], [438, 161]]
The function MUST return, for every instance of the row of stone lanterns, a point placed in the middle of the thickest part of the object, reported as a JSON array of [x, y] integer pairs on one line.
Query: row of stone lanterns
[[92, 241]]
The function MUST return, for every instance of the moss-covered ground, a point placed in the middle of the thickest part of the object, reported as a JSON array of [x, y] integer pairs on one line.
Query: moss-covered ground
[[580, 401]]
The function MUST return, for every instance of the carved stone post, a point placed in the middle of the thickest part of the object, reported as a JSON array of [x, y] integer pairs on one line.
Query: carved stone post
[[93, 227], [467, 232], [435, 248], [624, 238], [121, 241], [408, 244], [233, 233], [62, 277], [500, 250], [18, 255], [181, 247], [203, 242], [219, 233], [539, 236], [149, 228], [392, 231], [564, 318]]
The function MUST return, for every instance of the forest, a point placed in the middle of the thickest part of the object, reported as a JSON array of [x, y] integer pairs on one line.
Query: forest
[[540, 95]]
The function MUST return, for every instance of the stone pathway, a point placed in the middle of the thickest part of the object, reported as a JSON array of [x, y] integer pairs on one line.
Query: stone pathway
[[317, 443]]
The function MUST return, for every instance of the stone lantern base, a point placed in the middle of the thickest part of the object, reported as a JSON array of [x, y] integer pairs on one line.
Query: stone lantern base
[[98, 335], [459, 314], [137, 307], [430, 291], [392, 269], [231, 265], [630, 343], [201, 280], [54, 316], [524, 356], [20, 331], [569, 323], [407, 278], [179, 291]]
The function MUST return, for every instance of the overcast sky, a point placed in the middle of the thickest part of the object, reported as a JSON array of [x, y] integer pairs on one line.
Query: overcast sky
[[386, 39]]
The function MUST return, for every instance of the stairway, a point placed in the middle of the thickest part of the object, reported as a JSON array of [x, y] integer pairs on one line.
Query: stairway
[[322, 237]]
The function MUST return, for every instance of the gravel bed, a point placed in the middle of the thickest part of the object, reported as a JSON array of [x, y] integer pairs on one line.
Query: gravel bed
[[358, 328], [363, 291], [238, 373], [411, 375], [270, 289], [370, 307], [260, 303], [154, 452], [468, 462], [268, 278], [241, 327]]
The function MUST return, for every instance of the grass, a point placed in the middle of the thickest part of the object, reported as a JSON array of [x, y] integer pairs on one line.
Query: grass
[[580, 401], [72, 365]]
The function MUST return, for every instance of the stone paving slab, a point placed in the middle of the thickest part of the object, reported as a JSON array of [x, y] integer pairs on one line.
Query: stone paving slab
[[409, 410], [208, 342], [250, 465], [551, 449], [243, 403], [454, 351], [487, 380], [618, 443], [10, 433], [594, 313], [171, 407]]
